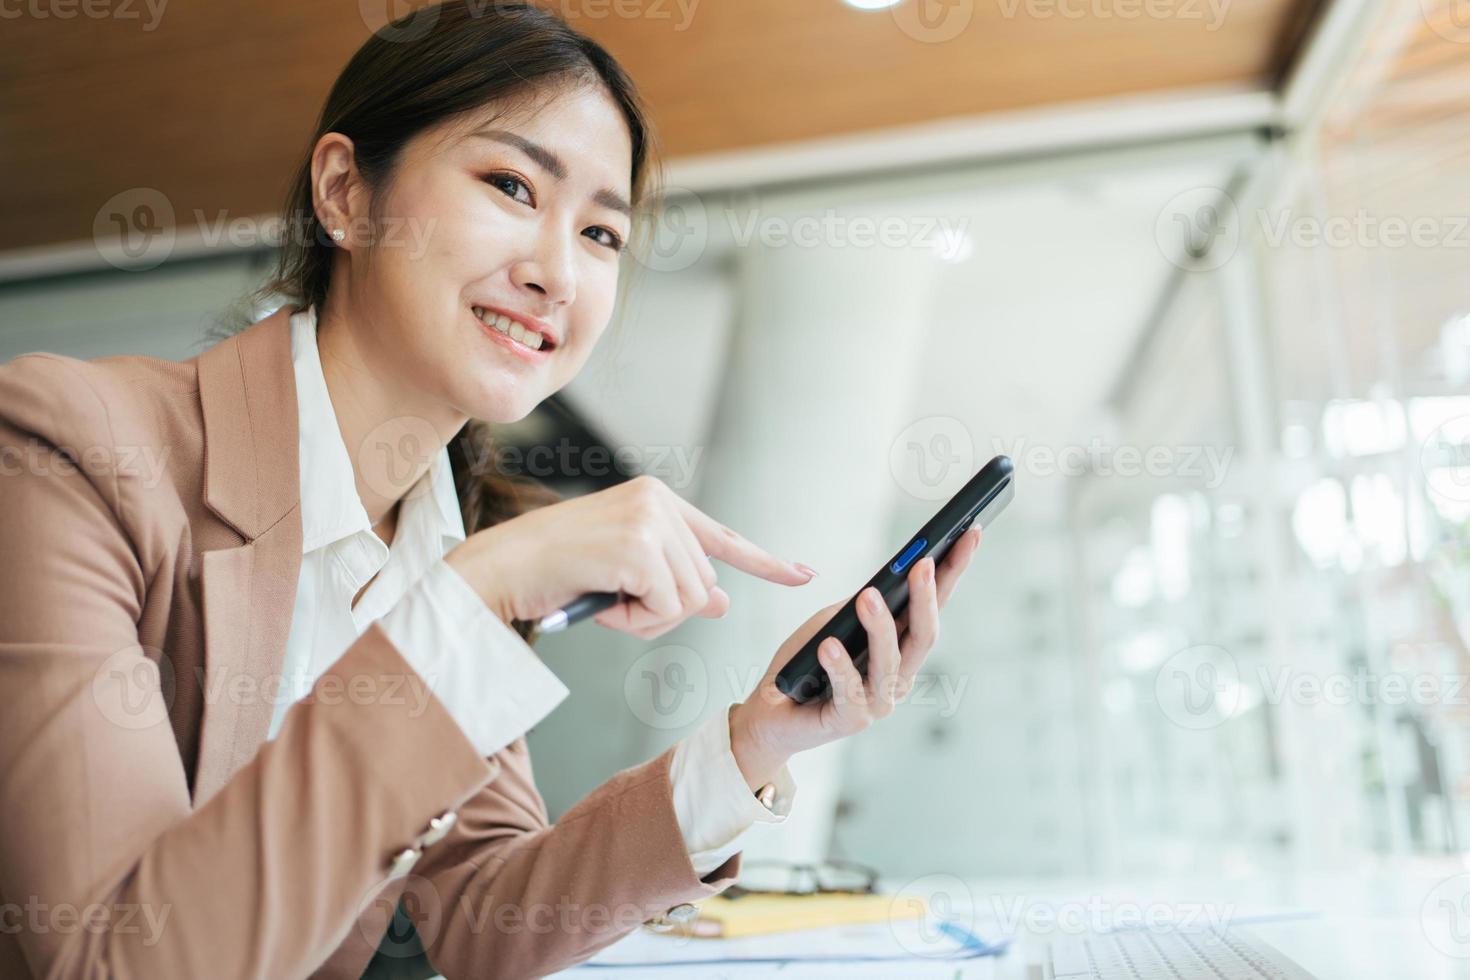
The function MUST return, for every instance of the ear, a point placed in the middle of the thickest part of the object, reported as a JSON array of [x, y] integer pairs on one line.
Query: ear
[[337, 190]]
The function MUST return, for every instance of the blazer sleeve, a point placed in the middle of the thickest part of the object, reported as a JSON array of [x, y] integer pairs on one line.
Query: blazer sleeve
[[99, 834], [511, 895]]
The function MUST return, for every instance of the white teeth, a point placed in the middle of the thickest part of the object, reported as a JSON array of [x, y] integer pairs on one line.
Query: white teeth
[[509, 327], [501, 323]]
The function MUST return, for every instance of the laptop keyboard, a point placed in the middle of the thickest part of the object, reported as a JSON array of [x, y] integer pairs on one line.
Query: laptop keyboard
[[1143, 955]]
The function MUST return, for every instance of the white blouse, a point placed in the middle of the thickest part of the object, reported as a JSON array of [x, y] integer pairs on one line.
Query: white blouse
[[487, 677]]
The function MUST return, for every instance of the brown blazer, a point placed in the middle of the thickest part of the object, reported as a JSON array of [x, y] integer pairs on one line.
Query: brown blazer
[[150, 542]]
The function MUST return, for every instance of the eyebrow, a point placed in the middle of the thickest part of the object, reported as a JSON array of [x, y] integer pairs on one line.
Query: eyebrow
[[553, 164]]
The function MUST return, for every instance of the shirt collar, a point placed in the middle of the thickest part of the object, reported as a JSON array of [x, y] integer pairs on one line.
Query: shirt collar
[[330, 507]]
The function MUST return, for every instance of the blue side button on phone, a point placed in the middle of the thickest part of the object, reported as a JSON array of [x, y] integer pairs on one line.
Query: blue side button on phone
[[907, 558]]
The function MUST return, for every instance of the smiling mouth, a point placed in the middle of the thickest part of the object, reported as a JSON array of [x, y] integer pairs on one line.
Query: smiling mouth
[[514, 331]]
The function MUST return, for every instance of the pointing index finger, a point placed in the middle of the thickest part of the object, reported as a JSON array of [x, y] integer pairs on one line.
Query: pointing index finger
[[728, 545]]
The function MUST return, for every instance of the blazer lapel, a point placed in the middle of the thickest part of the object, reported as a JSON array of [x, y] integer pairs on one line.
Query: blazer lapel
[[247, 391]]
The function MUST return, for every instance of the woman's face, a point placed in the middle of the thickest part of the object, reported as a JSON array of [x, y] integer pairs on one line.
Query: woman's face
[[498, 233]]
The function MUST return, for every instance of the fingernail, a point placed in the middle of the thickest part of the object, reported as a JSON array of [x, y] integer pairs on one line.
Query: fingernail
[[870, 596], [806, 570]]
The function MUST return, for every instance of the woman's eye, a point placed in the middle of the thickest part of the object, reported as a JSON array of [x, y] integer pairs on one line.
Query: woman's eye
[[511, 186], [604, 236]]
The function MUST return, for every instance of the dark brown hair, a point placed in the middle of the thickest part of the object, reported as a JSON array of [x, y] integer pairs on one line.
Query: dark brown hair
[[425, 68]]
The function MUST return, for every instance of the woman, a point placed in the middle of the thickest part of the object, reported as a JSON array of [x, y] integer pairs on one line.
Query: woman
[[260, 682]]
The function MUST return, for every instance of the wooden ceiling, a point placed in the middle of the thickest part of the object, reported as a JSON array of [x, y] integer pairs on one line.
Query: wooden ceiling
[[209, 104]]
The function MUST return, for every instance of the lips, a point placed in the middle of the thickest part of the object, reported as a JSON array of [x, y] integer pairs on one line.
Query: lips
[[524, 331], [517, 350]]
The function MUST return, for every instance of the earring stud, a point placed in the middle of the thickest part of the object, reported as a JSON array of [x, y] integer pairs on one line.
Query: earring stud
[[338, 234]]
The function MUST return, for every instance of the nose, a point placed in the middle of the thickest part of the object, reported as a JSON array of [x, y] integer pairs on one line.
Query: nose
[[550, 273]]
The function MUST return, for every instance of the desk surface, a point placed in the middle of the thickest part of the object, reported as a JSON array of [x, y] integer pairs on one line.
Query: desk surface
[[1372, 925]]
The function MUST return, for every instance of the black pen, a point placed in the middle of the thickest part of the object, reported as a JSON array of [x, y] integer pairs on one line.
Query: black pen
[[580, 608]]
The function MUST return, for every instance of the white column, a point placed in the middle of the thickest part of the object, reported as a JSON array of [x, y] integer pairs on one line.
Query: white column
[[821, 368]]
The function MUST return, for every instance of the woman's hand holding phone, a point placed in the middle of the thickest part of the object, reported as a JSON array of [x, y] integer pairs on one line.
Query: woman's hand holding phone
[[769, 727], [642, 539], [639, 538]]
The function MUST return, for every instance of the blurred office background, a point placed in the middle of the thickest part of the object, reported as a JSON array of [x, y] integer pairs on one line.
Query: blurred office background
[[1199, 268]]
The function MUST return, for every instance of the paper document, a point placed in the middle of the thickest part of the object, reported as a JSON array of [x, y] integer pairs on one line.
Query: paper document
[[913, 942]]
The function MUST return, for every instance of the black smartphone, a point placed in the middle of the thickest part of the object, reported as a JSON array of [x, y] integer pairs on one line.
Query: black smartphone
[[982, 499]]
